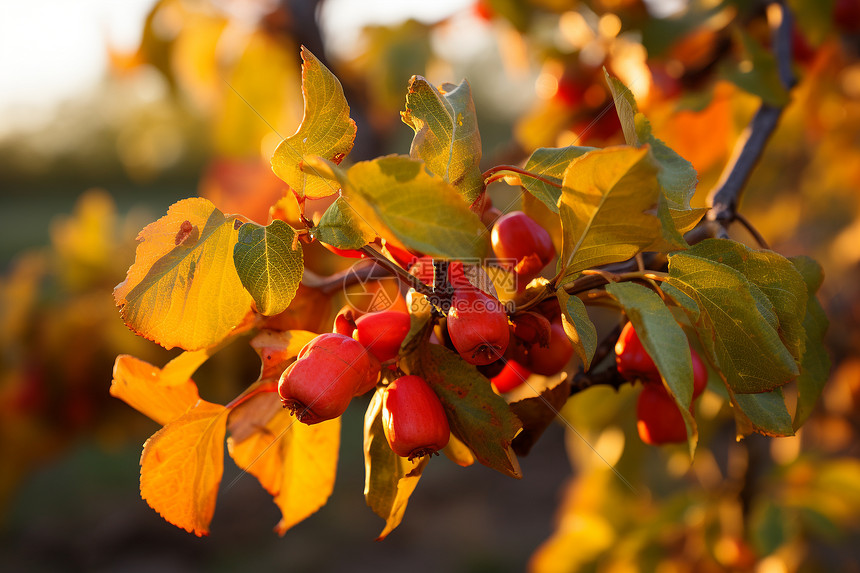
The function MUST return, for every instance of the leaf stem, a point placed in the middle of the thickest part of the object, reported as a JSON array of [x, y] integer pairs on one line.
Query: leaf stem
[[398, 271], [501, 171]]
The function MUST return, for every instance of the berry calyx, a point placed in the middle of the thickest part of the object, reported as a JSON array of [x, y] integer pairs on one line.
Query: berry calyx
[[413, 419], [517, 236], [382, 333], [550, 359], [328, 372], [659, 420], [477, 326], [511, 376]]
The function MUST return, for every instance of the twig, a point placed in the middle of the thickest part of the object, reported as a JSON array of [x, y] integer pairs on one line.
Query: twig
[[397, 271], [724, 198], [752, 230], [348, 277]]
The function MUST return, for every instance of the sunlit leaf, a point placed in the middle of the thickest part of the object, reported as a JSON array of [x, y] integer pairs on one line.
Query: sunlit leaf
[[777, 279], [665, 342], [422, 211], [549, 163], [815, 365], [578, 327], [446, 133], [389, 479], [677, 176], [145, 388], [296, 463], [181, 467], [277, 348], [608, 208], [458, 452], [326, 130], [270, 263], [342, 227], [182, 289], [476, 414], [731, 324]]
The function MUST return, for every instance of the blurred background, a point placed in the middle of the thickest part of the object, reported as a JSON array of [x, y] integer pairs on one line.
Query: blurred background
[[112, 111]]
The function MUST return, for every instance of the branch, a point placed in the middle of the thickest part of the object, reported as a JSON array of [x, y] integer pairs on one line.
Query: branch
[[609, 377], [724, 198]]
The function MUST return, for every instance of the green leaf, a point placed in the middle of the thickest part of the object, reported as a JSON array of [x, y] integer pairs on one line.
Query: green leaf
[[446, 133], [578, 327], [422, 211], [664, 341], [479, 417], [676, 175], [270, 264], [183, 289], [549, 163], [326, 130], [815, 365], [730, 326], [767, 412], [757, 73], [342, 227], [608, 208], [389, 480], [776, 278]]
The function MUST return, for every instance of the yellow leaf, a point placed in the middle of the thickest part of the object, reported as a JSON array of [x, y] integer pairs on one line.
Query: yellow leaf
[[389, 480], [181, 467], [183, 289], [145, 388], [277, 349], [326, 130], [296, 463]]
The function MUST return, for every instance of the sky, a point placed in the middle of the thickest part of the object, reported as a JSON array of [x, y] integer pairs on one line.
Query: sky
[[54, 50]]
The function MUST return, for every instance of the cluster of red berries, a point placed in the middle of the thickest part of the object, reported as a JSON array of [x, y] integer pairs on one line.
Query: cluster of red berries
[[335, 367], [659, 420], [478, 324]]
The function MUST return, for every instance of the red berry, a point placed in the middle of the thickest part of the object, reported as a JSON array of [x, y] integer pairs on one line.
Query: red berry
[[550, 359], [634, 362], [700, 374], [511, 376], [517, 236], [478, 326], [659, 419], [383, 332], [632, 359], [329, 371], [413, 419]]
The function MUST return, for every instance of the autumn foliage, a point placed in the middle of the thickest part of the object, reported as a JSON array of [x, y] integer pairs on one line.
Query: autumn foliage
[[491, 347]]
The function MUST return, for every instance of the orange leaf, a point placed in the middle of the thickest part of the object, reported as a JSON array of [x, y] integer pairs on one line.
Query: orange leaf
[[148, 390], [183, 289], [276, 349], [181, 467], [294, 462]]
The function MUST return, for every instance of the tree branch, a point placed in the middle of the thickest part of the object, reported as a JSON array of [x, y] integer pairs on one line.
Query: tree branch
[[724, 198]]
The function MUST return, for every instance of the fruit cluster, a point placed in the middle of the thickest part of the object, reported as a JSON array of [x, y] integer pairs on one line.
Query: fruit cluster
[[659, 420], [335, 367]]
